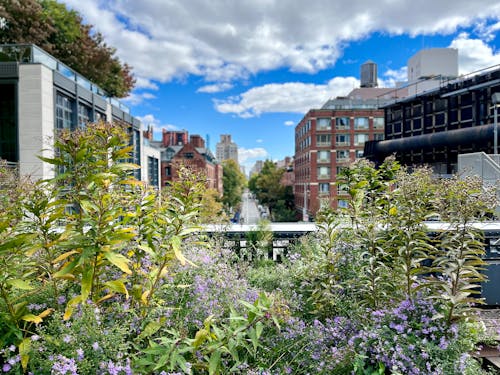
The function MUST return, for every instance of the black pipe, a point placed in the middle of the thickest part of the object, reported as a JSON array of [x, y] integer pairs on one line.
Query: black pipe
[[466, 136]]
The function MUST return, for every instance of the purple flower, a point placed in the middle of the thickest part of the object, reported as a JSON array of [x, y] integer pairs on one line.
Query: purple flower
[[95, 346], [6, 367]]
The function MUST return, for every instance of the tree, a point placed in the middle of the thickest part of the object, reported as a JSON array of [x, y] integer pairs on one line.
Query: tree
[[60, 32], [270, 192], [233, 182]]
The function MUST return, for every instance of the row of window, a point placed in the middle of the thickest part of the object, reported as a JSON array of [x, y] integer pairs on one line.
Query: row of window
[[325, 123], [345, 139], [71, 114], [324, 156]]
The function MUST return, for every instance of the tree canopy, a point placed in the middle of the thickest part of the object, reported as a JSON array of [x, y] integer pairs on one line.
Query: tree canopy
[[61, 32], [233, 182], [269, 191]]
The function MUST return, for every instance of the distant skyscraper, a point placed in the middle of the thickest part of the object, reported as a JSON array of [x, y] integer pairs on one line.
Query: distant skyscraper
[[369, 74], [226, 149]]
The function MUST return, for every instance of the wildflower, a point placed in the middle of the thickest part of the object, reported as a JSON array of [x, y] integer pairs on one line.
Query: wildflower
[[95, 346], [35, 338], [80, 353], [6, 367], [67, 339]]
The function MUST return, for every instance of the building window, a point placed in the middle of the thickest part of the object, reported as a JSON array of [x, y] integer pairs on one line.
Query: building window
[[342, 189], [168, 171], [99, 116], [188, 155], [361, 123], [323, 124], [342, 139], [378, 123], [342, 203], [339, 170], [342, 155], [378, 137], [84, 115], [323, 172], [342, 123], [324, 188], [359, 154], [153, 171], [8, 121], [64, 112], [360, 139], [323, 156], [323, 139]]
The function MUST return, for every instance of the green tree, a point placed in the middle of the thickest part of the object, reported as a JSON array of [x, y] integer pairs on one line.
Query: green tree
[[269, 190], [60, 32], [233, 182]]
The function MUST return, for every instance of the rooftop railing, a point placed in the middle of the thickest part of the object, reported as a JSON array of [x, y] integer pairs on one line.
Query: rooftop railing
[[31, 54]]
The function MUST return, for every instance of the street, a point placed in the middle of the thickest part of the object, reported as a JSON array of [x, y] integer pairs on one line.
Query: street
[[249, 211]]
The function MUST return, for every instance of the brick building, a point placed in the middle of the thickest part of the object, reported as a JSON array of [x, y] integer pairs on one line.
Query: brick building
[[327, 140], [179, 149]]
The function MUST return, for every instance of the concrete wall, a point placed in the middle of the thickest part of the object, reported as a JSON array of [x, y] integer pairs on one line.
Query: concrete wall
[[36, 120]]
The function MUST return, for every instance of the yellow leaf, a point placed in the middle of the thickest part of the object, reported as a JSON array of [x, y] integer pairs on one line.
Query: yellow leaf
[[70, 306], [117, 286], [64, 256], [24, 350], [106, 297], [118, 260], [45, 313], [144, 297], [32, 318]]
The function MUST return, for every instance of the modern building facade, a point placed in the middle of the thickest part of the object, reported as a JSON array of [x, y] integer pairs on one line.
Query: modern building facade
[[39, 95], [178, 150], [435, 126], [226, 149]]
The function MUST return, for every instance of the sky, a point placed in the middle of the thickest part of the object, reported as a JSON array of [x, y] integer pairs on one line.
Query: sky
[[253, 68]]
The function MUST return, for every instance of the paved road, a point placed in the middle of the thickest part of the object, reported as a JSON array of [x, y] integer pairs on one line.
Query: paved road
[[249, 210]]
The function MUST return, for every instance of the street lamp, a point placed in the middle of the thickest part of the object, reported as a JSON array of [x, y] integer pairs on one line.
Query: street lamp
[[495, 99]]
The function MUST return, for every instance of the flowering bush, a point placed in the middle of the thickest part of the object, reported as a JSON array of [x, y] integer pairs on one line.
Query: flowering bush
[[412, 339]]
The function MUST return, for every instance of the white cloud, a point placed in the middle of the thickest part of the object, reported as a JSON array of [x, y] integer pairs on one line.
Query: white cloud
[[222, 41], [215, 88], [391, 77], [143, 83], [136, 98], [289, 123], [158, 126], [248, 157], [473, 54], [285, 97]]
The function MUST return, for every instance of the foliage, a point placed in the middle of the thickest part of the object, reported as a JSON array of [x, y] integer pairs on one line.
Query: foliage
[[269, 191], [60, 32], [233, 182], [408, 339], [100, 274]]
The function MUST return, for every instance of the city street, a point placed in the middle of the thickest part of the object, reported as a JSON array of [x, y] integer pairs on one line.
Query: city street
[[249, 211]]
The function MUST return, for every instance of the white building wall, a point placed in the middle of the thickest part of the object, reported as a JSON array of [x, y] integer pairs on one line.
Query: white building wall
[[433, 62], [36, 120]]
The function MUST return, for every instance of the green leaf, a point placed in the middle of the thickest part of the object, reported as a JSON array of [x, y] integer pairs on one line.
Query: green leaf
[[214, 362], [20, 284], [150, 329]]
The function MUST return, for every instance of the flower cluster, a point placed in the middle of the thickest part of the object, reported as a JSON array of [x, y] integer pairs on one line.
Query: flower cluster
[[412, 338]]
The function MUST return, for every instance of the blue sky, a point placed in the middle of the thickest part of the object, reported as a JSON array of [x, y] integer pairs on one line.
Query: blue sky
[[252, 68]]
